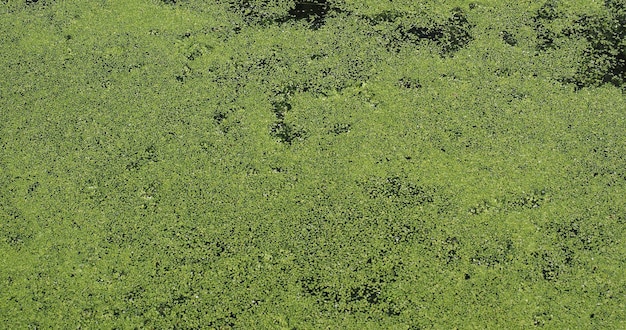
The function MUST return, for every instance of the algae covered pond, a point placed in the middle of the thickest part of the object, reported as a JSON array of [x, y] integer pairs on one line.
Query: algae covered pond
[[339, 164]]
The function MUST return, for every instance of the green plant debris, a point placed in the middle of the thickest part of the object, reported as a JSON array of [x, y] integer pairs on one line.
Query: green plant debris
[[319, 164]]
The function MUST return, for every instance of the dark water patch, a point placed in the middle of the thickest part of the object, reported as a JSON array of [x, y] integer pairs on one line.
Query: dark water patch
[[450, 36], [287, 132], [314, 11]]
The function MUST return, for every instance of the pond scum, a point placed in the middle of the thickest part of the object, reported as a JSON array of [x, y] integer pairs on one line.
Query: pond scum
[[339, 164]]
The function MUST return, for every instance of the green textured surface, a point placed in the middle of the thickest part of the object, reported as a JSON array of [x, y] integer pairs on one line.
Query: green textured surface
[[392, 165]]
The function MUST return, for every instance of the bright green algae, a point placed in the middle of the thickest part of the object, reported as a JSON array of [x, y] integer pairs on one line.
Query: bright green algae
[[310, 165]]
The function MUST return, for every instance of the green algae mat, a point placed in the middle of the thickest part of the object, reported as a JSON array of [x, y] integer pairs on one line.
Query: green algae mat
[[339, 164]]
